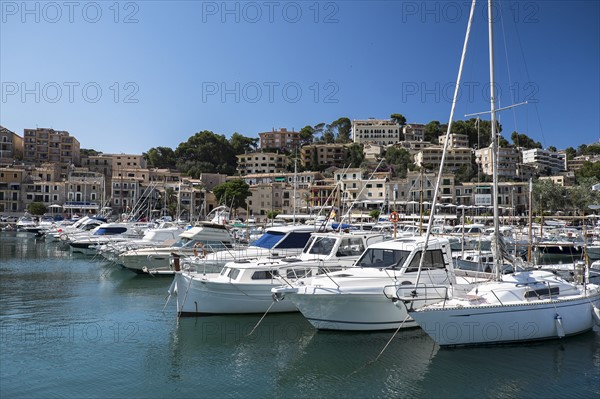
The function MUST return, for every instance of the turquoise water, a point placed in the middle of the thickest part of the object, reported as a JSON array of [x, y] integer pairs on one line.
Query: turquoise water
[[75, 327]]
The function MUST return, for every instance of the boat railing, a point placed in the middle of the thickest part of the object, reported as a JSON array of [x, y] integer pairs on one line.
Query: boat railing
[[409, 294]]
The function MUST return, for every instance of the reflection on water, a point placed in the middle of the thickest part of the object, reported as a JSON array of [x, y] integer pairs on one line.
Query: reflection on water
[[76, 327], [544, 369]]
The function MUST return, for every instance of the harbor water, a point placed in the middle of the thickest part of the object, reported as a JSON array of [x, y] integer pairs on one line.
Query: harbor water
[[78, 327]]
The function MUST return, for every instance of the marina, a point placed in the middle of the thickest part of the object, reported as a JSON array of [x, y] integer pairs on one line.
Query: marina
[[77, 326], [341, 255]]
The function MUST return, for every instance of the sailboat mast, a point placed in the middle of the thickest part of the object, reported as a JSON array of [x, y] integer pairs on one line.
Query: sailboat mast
[[447, 140], [530, 220], [494, 139], [294, 200]]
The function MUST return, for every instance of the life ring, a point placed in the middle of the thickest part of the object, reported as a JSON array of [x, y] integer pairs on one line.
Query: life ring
[[63, 237], [394, 217], [201, 246]]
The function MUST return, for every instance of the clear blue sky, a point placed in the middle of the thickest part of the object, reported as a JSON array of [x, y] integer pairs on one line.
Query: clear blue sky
[[129, 76]]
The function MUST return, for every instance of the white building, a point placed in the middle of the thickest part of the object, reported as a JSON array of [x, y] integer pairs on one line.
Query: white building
[[377, 131], [414, 132], [261, 162], [456, 140], [546, 162], [508, 161], [432, 157]]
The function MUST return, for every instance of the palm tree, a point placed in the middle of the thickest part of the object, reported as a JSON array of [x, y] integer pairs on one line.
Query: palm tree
[[306, 197]]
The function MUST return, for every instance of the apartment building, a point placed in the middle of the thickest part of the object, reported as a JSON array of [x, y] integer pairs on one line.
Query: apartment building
[[455, 140], [509, 159], [431, 158], [85, 190], [11, 146], [318, 155], [414, 132], [546, 162], [577, 162], [261, 162], [48, 145], [360, 190], [282, 139], [101, 163], [377, 131], [513, 197], [11, 179]]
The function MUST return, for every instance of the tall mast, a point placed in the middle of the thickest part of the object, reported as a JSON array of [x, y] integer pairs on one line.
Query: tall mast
[[448, 131], [294, 191], [498, 259]]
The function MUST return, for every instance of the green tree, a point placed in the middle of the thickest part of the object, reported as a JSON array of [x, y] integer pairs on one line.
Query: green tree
[[160, 157], [588, 170], [570, 152], [433, 130], [580, 196], [399, 119], [340, 128], [242, 144], [592, 149], [328, 137], [374, 214], [306, 197], [306, 135], [232, 193], [272, 214], [314, 160], [206, 152], [524, 141], [37, 208], [355, 155], [548, 196], [169, 201], [465, 173], [319, 128], [88, 152], [400, 160]]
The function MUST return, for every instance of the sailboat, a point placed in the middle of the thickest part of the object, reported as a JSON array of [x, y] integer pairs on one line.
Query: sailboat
[[522, 306]]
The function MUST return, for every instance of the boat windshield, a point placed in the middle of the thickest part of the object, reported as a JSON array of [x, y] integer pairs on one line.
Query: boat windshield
[[383, 258], [109, 231], [269, 239], [295, 239], [322, 246]]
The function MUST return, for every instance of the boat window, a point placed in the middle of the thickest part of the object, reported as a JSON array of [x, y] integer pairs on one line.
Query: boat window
[[322, 246], [269, 239], [434, 259], [233, 273], [308, 244], [190, 243], [183, 241], [542, 292], [214, 246], [382, 258], [351, 247], [108, 231], [296, 273], [372, 240], [294, 240], [264, 274]]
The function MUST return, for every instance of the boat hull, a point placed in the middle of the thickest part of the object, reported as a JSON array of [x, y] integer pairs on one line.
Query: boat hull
[[197, 296], [330, 309], [498, 324]]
